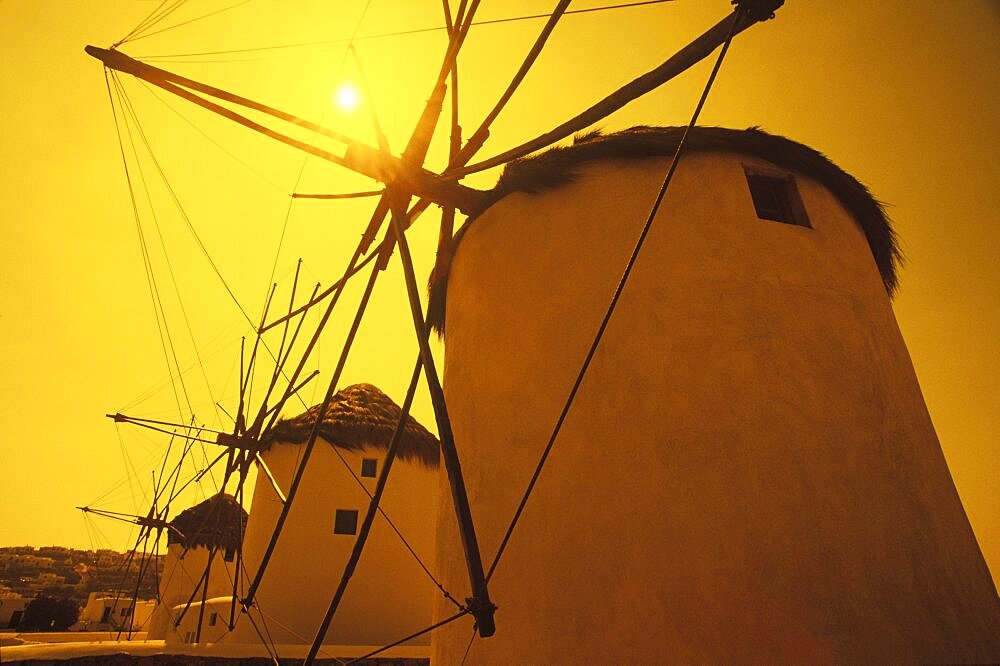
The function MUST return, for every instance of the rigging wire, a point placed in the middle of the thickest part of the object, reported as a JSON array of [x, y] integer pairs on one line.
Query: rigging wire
[[125, 460], [740, 14], [267, 646], [192, 20], [167, 12], [201, 245], [170, 268], [213, 141], [284, 228], [257, 328], [472, 639], [150, 278], [398, 33], [305, 158], [115, 493], [416, 634], [220, 341], [142, 24]]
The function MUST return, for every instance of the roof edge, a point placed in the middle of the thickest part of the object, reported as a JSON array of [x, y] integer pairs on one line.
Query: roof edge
[[559, 166]]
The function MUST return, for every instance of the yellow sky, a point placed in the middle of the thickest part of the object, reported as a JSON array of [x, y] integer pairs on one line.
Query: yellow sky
[[903, 95]]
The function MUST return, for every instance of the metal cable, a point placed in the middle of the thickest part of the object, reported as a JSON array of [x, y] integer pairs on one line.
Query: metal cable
[[151, 280], [617, 295], [144, 22], [209, 138], [192, 20], [417, 634], [398, 33]]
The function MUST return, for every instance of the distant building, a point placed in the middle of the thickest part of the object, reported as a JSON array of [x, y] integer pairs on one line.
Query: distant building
[[56, 550], [106, 611], [108, 558], [36, 562], [47, 578], [12, 607], [20, 550]]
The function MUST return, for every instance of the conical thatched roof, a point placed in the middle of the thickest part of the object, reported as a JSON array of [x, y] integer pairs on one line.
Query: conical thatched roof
[[360, 415], [217, 522], [558, 166]]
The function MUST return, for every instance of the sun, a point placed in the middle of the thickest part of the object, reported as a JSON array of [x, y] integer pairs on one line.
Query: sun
[[346, 97]]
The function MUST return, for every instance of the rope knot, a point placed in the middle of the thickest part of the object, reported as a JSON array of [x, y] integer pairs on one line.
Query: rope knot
[[482, 610]]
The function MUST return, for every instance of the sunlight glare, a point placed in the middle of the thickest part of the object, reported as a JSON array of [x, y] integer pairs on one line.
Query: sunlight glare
[[347, 97]]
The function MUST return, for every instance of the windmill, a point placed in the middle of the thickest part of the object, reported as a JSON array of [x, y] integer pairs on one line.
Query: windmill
[[405, 178]]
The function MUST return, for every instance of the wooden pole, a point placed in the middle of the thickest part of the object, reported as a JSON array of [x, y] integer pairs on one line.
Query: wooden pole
[[359, 157], [688, 56], [479, 605]]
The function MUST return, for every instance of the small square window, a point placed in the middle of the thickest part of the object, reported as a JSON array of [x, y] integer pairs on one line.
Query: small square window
[[776, 198], [346, 522], [213, 619], [369, 467]]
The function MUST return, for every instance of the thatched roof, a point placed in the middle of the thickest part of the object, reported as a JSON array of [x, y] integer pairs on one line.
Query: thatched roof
[[360, 415], [559, 166], [217, 522]]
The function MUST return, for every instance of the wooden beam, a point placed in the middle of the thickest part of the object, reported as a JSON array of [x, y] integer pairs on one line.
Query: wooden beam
[[358, 157], [688, 56]]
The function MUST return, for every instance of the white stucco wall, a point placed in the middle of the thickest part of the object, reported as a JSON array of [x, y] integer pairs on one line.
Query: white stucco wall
[[748, 473], [214, 620], [389, 596], [121, 609], [179, 579]]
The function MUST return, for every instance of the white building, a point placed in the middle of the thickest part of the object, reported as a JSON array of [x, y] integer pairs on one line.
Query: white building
[[48, 578], [748, 472], [114, 612], [389, 596], [200, 564]]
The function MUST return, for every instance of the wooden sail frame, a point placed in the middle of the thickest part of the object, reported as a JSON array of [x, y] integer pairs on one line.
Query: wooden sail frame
[[405, 178]]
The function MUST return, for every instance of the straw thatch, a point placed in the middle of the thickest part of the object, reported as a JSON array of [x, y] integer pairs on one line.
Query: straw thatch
[[559, 166], [218, 522], [360, 415]]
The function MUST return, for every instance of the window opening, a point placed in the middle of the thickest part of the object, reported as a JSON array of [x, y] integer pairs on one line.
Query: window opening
[[212, 619], [776, 198], [369, 467], [346, 521]]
